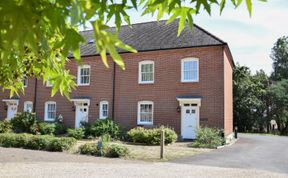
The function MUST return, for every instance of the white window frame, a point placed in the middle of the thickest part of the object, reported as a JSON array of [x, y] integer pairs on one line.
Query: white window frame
[[25, 106], [25, 79], [138, 113], [140, 72], [48, 83], [46, 111], [79, 75], [182, 69], [101, 110]]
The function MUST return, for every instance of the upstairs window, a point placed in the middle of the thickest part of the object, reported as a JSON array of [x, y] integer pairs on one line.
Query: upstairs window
[[49, 83], [190, 70], [83, 77], [146, 72], [145, 113], [25, 82], [103, 113], [50, 111]]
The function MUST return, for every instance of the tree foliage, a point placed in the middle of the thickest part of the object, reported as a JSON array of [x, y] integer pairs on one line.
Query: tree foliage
[[37, 35], [279, 56], [249, 99], [279, 107]]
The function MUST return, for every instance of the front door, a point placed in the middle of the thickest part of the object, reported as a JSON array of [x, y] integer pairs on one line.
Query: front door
[[190, 120], [81, 115], [11, 110]]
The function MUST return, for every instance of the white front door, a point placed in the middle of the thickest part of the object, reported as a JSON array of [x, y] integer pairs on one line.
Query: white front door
[[11, 110], [190, 121], [81, 115]]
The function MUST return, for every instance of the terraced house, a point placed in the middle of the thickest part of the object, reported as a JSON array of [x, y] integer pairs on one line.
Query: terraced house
[[182, 82]]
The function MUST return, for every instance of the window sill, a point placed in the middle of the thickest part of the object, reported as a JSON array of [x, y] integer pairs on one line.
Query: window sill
[[145, 124], [191, 81], [83, 84], [49, 120], [145, 83]]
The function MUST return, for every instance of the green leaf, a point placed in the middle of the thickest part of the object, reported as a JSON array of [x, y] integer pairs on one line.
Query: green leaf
[[249, 7]]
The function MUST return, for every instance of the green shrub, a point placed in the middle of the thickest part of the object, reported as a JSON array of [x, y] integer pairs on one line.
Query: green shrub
[[5, 126], [105, 126], [76, 133], [116, 151], [89, 149], [60, 128], [24, 122], [207, 138], [36, 142], [152, 136], [62, 144], [87, 129], [39, 142], [46, 128]]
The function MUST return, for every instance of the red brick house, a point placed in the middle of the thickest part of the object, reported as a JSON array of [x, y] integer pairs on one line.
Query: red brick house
[[179, 82]]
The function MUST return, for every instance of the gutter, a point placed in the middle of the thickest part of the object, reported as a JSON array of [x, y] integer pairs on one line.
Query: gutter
[[35, 95], [113, 90]]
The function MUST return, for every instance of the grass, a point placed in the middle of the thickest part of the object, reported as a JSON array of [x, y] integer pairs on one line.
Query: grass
[[152, 153], [171, 152]]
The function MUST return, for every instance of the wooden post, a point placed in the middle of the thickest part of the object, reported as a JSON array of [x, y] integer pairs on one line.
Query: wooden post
[[162, 143]]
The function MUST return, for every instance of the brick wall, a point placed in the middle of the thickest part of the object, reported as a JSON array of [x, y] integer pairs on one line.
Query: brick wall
[[167, 85]]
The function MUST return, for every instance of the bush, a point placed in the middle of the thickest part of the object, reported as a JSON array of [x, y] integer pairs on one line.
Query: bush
[[105, 126], [62, 144], [116, 151], [46, 128], [207, 138], [76, 133], [36, 142], [152, 136], [5, 126], [24, 122], [60, 128], [112, 151], [87, 129], [89, 149]]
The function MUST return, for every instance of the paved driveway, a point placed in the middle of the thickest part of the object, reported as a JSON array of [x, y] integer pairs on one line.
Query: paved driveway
[[268, 153]]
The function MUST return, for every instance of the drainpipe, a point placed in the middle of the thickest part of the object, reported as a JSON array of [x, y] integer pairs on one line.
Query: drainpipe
[[35, 95], [113, 90]]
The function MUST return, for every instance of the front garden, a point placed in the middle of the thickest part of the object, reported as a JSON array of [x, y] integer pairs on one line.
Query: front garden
[[103, 138]]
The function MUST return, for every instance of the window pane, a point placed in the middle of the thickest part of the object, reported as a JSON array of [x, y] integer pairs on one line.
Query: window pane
[[147, 72], [190, 70], [146, 113]]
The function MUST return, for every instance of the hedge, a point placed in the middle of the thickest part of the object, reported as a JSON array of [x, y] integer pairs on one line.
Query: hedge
[[109, 150], [152, 136], [36, 142]]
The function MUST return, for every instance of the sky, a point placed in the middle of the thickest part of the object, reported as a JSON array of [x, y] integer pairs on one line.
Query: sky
[[250, 39]]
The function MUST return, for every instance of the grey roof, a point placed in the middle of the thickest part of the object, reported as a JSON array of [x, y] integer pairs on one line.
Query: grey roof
[[155, 35]]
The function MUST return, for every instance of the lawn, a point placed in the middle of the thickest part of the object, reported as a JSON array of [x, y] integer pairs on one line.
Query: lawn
[[152, 153]]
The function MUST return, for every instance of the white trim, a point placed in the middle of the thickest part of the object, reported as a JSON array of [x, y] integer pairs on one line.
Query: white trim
[[79, 76], [138, 113], [25, 106], [79, 101], [46, 111], [48, 83], [140, 72], [182, 69], [101, 109], [189, 100], [7, 101]]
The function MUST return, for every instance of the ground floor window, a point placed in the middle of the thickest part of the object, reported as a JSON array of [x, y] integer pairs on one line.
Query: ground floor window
[[28, 106], [103, 112], [145, 113], [50, 111]]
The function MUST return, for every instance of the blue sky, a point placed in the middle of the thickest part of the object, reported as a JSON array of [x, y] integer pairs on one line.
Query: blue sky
[[250, 39]]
